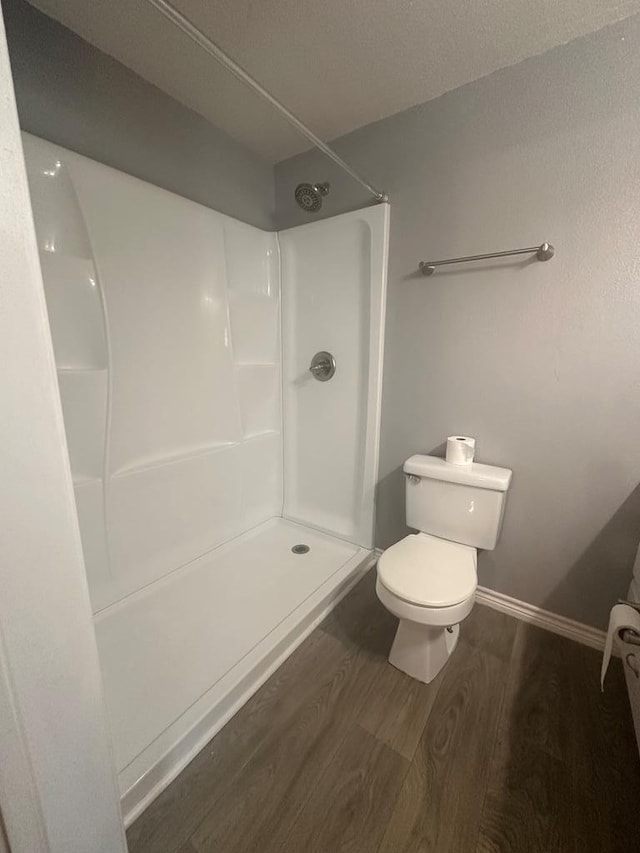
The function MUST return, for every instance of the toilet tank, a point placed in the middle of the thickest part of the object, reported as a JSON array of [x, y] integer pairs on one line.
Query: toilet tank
[[460, 503]]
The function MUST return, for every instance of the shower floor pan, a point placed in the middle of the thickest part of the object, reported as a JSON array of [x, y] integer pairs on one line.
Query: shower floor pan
[[180, 656]]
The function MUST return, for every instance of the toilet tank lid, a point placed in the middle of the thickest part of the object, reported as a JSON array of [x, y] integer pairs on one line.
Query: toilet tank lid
[[476, 474]]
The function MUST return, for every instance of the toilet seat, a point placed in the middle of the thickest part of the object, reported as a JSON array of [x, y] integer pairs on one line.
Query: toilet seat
[[430, 572]]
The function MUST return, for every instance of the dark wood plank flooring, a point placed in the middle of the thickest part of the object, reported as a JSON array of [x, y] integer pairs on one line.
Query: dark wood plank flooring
[[512, 748]]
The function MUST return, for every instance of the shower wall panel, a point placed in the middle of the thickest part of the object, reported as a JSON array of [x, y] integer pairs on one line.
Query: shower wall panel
[[333, 296], [165, 319], [165, 323]]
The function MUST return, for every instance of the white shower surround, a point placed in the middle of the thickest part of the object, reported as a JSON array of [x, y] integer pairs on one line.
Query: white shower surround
[[165, 319], [333, 297]]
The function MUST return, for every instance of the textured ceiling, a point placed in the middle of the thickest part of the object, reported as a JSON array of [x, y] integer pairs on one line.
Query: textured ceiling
[[338, 64]]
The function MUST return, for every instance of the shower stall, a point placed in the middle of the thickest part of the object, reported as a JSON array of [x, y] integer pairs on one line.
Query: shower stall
[[225, 495]]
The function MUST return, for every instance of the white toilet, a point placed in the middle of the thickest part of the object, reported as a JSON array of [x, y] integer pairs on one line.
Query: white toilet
[[428, 579]]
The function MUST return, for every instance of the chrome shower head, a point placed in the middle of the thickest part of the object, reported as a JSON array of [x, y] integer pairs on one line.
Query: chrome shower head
[[309, 196]]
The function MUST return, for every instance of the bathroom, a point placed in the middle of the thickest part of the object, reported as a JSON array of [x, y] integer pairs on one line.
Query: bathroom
[[240, 608]]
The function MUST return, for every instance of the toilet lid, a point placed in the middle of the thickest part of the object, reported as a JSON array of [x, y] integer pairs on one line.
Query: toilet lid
[[432, 572]]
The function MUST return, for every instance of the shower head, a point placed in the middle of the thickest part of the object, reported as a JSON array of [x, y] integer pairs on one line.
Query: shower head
[[309, 196]]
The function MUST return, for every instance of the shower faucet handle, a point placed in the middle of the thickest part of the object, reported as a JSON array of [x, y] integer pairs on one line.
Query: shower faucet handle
[[323, 366]]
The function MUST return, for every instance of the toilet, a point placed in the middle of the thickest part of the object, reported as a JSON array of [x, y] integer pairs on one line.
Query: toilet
[[429, 579]]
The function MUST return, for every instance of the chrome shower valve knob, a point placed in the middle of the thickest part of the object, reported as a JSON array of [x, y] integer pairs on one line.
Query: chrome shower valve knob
[[323, 366]]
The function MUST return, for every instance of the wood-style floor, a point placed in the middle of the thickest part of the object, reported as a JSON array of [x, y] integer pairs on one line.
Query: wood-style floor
[[511, 748]]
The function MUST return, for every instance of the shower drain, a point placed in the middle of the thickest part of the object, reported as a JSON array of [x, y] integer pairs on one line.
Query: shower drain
[[300, 549]]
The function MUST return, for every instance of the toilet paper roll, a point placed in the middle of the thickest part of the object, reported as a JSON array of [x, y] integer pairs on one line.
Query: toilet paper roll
[[460, 449], [621, 617]]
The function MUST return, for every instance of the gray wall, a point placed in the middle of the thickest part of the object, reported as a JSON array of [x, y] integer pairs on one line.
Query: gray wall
[[73, 94], [541, 362]]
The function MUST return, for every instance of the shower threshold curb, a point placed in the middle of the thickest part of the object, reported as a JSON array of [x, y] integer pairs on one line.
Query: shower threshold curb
[[244, 680]]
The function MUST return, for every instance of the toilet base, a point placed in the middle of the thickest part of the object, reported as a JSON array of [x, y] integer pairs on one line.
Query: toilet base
[[421, 651]]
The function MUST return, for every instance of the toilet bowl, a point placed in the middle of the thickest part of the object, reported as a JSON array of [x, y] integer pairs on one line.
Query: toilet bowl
[[429, 579], [430, 585]]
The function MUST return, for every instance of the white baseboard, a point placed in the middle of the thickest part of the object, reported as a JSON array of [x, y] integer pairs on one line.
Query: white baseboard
[[568, 628]]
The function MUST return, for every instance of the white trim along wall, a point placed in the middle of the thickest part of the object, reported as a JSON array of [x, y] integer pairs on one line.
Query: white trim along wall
[[568, 628]]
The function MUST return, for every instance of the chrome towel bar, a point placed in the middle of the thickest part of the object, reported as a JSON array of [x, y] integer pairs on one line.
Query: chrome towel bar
[[544, 252]]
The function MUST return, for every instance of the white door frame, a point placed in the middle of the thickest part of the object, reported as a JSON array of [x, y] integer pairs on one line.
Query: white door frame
[[58, 790]]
